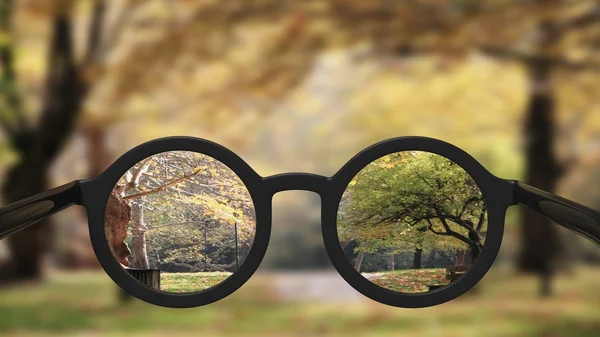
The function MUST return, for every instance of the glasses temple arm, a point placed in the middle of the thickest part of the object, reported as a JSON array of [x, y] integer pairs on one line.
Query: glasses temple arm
[[27, 212], [566, 213]]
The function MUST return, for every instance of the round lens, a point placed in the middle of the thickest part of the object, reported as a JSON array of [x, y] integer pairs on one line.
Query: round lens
[[412, 222], [180, 222]]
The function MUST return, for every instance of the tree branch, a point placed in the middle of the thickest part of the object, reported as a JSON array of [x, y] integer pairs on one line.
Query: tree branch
[[95, 32], [64, 94], [590, 17], [448, 232], [114, 33], [163, 187], [176, 224], [467, 203], [134, 179], [481, 219], [424, 179], [467, 224], [526, 58], [452, 233], [430, 227], [385, 182]]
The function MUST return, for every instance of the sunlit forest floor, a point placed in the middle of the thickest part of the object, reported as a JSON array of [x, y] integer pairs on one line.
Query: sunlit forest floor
[[86, 304], [190, 282], [409, 281]]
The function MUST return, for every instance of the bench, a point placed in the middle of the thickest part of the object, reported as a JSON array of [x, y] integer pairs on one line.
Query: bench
[[149, 277], [433, 287], [453, 273]]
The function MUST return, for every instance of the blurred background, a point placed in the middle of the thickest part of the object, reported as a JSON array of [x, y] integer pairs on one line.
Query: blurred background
[[301, 86]]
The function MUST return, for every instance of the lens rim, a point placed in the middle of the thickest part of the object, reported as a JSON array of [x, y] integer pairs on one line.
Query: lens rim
[[95, 195], [497, 194]]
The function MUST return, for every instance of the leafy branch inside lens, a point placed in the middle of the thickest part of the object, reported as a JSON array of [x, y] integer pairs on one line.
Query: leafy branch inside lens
[[413, 202], [180, 208]]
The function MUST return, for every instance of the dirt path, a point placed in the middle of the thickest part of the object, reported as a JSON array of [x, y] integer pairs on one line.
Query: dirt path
[[312, 285], [371, 276]]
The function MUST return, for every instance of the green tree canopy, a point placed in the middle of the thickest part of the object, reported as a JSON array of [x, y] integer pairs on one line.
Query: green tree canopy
[[414, 200]]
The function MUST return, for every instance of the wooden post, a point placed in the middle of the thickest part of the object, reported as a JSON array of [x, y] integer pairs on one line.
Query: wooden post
[[148, 277], [460, 257], [205, 248], [237, 255]]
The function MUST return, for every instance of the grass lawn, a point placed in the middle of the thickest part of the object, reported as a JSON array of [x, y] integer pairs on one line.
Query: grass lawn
[[411, 280], [85, 304], [190, 282]]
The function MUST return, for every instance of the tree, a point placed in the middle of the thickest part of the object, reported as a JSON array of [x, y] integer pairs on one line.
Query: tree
[[546, 38], [413, 201], [185, 207], [65, 90], [78, 74]]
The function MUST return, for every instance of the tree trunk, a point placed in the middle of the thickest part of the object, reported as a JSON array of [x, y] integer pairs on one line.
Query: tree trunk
[[139, 228], [37, 148], [475, 252], [539, 244], [359, 260], [26, 247], [98, 156], [391, 262], [460, 257], [430, 259], [417, 258], [118, 214]]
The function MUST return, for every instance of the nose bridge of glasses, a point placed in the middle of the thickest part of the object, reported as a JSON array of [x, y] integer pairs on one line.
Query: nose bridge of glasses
[[296, 181]]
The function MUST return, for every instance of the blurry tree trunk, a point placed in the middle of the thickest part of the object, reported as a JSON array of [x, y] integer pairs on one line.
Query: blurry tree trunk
[[98, 156], [460, 257], [392, 262], [417, 258], [139, 228], [430, 259], [38, 146], [79, 251], [26, 247], [539, 245], [359, 260]]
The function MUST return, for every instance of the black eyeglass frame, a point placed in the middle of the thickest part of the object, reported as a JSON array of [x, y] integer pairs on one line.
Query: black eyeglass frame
[[499, 194]]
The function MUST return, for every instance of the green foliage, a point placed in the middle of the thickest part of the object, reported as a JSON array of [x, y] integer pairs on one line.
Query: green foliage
[[411, 200]]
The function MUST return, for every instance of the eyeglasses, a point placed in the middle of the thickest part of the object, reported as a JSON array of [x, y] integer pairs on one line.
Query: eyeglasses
[[409, 222]]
